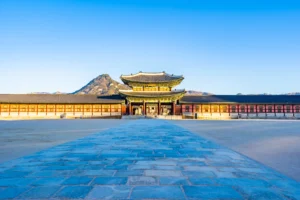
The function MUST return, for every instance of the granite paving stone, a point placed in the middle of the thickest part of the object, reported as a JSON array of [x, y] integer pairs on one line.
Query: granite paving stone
[[16, 182], [211, 192], [77, 180], [142, 180], [48, 181], [142, 159], [261, 194], [173, 181], [110, 181], [109, 192], [126, 173], [202, 181], [163, 173], [73, 192], [12, 192], [42, 192], [157, 192]]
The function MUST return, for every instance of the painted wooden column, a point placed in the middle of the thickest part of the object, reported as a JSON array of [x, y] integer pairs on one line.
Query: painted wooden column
[[158, 112], [46, 109], [8, 109], [291, 105], [256, 110], [129, 108], [266, 111], [247, 108], [283, 108], [193, 109], [144, 107], [174, 107]]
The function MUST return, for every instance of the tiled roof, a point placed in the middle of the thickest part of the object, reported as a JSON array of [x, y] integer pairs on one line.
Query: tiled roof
[[59, 98], [150, 77], [259, 99], [151, 94]]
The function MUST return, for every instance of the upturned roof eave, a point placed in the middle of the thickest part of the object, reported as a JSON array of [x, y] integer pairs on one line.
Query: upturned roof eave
[[126, 81], [152, 94]]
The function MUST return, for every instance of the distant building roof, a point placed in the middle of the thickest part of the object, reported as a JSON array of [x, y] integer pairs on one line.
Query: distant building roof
[[59, 98], [143, 77], [243, 99]]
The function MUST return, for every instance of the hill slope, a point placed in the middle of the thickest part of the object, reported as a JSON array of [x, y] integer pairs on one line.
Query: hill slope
[[102, 85]]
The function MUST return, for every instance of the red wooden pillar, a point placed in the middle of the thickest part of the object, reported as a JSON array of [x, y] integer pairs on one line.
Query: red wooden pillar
[[256, 110], [174, 104], [158, 112], [292, 110], [110, 109], [92, 109], [129, 108], [247, 108]]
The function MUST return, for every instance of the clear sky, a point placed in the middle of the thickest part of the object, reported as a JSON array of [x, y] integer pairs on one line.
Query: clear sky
[[222, 47]]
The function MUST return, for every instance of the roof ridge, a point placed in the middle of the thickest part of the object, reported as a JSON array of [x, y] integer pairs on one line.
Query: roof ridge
[[151, 74]]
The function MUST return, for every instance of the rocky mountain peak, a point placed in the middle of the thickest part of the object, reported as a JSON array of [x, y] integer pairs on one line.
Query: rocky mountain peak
[[102, 85]]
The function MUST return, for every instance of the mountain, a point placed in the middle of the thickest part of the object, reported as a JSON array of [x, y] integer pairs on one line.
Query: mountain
[[48, 92], [194, 92], [102, 85]]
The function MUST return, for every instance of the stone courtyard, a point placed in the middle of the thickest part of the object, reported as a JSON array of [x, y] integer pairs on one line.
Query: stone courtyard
[[142, 159]]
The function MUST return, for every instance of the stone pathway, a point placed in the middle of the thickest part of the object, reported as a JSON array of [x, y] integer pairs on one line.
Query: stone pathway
[[142, 159]]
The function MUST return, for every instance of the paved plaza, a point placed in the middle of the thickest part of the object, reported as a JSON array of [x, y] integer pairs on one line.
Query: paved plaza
[[142, 159], [23, 137], [275, 143]]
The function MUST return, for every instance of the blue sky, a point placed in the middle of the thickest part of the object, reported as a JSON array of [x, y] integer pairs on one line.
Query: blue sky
[[223, 47]]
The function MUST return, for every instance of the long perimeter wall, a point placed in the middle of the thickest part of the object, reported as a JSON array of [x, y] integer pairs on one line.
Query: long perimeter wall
[[199, 111], [234, 111], [28, 111]]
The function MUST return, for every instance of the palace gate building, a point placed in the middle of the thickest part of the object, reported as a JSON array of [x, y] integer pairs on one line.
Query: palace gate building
[[152, 95]]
